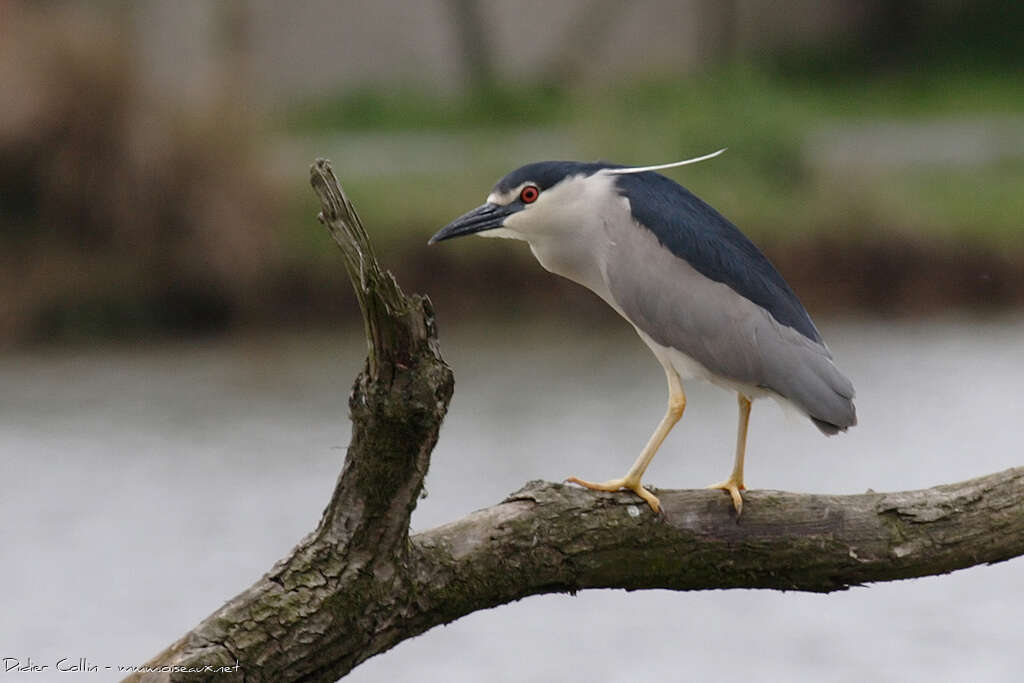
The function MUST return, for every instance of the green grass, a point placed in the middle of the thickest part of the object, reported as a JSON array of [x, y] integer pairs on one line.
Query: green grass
[[764, 182], [368, 108]]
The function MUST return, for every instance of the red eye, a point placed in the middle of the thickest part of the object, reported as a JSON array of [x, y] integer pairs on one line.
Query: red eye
[[529, 194]]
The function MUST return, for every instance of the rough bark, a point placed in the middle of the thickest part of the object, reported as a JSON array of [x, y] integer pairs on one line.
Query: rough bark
[[359, 584]]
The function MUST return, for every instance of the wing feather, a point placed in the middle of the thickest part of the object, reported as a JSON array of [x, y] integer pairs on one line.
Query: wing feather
[[731, 336], [696, 233]]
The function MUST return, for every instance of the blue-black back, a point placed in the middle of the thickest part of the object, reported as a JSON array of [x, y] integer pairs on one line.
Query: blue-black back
[[704, 238]]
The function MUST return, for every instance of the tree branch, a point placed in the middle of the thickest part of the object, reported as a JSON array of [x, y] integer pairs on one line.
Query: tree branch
[[359, 584]]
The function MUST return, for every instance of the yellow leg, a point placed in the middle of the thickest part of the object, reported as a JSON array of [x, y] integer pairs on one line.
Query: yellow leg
[[676, 406], [734, 484]]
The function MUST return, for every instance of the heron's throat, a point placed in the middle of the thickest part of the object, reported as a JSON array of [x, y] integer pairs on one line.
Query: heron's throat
[[502, 233], [571, 256]]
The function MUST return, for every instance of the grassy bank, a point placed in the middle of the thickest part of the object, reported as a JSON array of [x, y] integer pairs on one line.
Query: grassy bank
[[797, 164], [900, 193]]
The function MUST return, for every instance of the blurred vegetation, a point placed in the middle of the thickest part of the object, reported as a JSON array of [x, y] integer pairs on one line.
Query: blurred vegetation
[[491, 108], [911, 236], [122, 214], [767, 182]]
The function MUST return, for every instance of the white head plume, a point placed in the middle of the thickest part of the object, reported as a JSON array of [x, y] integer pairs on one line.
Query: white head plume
[[643, 169]]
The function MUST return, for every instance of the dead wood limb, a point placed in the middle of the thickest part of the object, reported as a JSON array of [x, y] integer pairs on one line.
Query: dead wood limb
[[359, 584]]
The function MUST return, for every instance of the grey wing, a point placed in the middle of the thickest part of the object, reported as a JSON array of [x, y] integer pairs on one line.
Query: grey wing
[[729, 335]]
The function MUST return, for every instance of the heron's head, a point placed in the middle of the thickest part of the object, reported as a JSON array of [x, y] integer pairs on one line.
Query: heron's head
[[546, 198], [534, 200]]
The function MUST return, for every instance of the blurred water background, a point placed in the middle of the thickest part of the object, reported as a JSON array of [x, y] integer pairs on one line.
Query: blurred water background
[[145, 487], [177, 338]]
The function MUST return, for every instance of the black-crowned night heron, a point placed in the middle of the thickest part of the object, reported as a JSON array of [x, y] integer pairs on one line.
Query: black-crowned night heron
[[699, 293]]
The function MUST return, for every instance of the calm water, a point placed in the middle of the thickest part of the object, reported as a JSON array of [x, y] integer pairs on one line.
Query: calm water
[[145, 487]]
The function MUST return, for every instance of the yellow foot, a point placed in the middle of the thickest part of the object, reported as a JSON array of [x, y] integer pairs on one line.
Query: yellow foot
[[733, 487], [618, 484]]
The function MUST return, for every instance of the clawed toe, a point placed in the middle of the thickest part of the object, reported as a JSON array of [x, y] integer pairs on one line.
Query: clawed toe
[[618, 485]]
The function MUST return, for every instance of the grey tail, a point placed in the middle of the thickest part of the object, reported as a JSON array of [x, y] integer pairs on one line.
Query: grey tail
[[829, 429]]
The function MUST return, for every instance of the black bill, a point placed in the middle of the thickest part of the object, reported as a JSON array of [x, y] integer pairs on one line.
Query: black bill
[[486, 217]]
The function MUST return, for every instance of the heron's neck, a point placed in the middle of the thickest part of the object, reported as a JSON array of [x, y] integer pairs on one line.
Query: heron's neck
[[575, 256], [570, 233]]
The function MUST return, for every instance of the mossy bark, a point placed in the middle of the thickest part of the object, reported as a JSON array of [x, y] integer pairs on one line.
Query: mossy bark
[[359, 584]]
